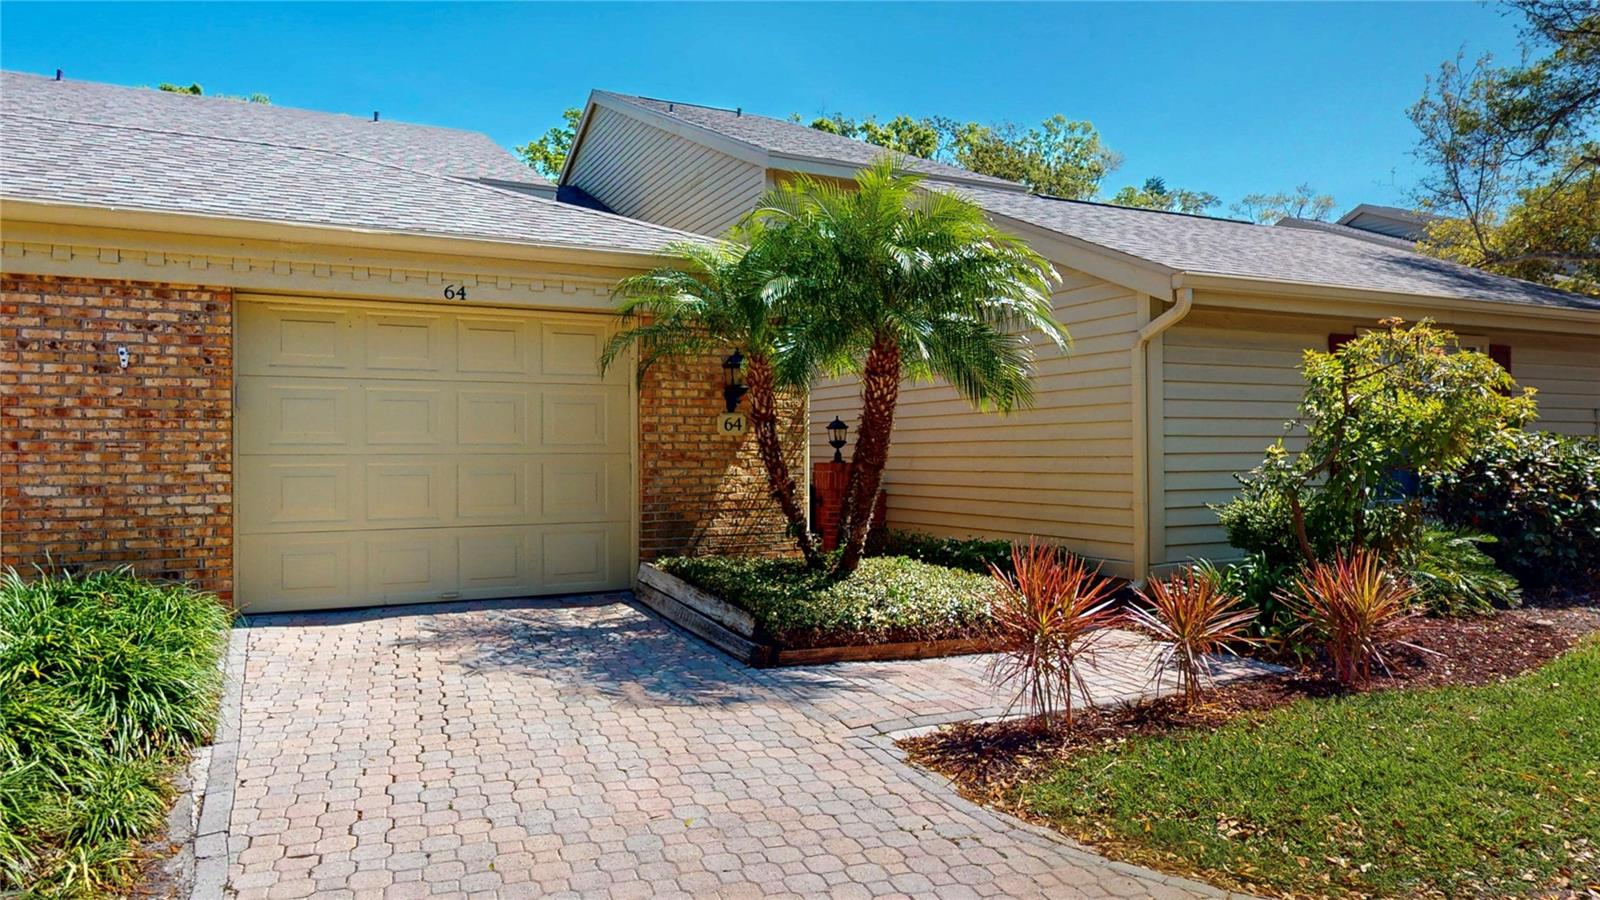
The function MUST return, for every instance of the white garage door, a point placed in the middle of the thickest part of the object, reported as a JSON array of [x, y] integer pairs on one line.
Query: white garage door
[[391, 453]]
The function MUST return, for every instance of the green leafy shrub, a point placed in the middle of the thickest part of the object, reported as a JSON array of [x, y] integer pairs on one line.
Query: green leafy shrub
[[886, 598], [1395, 405], [105, 681], [978, 555], [1257, 581], [1454, 577], [1538, 495]]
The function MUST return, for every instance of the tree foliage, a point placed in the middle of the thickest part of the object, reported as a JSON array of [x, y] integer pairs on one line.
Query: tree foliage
[[713, 297], [901, 134], [1061, 157], [194, 89], [1301, 203], [1396, 405], [548, 154], [1511, 152], [1155, 194], [890, 281]]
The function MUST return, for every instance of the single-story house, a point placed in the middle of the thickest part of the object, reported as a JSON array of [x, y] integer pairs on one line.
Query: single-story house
[[1188, 334], [308, 360]]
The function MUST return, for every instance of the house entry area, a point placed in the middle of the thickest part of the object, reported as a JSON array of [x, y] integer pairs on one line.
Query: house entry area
[[399, 453]]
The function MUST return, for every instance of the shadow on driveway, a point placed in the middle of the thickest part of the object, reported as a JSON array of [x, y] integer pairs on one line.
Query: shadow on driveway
[[602, 645]]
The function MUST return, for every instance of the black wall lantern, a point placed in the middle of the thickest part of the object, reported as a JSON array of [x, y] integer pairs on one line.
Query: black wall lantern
[[733, 386], [836, 430]]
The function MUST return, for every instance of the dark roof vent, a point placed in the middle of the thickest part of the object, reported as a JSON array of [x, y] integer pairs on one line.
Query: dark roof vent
[[738, 112], [58, 74], [374, 115]]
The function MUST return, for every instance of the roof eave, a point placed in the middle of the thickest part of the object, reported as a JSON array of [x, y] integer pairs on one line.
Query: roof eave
[[134, 218], [1271, 293]]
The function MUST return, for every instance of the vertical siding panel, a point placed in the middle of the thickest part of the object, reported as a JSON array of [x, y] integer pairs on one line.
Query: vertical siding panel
[[1232, 381], [647, 173], [1062, 470]]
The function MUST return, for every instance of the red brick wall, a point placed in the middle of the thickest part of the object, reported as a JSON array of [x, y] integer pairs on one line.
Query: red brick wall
[[701, 491], [103, 465]]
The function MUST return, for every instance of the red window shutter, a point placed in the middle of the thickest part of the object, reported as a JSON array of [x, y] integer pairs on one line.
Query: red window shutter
[[1501, 353], [1335, 341]]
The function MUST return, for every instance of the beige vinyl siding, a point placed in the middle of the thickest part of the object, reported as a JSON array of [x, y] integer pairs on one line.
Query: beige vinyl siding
[[1062, 470], [644, 172], [1566, 370], [1230, 382]]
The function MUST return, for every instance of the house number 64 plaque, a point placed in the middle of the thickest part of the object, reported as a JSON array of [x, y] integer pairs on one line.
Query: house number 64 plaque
[[732, 423]]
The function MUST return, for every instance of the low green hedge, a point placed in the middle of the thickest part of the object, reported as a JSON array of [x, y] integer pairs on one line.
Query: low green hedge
[[106, 680], [968, 554], [888, 598]]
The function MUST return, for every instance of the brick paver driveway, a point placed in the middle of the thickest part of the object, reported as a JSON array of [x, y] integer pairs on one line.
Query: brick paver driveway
[[580, 746]]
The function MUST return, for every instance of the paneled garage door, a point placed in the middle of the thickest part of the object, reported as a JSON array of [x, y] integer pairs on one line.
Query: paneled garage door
[[391, 453]]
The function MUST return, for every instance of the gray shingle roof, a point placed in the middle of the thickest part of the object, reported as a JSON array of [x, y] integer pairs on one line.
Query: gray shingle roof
[[1204, 245], [108, 146], [794, 139]]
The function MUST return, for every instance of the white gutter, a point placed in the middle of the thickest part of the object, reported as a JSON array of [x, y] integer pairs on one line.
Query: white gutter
[[1183, 302]]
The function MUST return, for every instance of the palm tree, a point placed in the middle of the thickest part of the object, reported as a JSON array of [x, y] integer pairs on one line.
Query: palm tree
[[719, 296], [890, 280]]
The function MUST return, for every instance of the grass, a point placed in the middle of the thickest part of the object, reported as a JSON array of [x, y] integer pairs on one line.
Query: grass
[[886, 598], [106, 680], [1490, 791]]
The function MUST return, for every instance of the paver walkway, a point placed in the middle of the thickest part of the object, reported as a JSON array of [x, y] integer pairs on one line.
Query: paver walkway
[[582, 747]]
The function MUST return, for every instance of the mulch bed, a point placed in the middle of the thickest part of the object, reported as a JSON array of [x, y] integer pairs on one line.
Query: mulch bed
[[988, 761]]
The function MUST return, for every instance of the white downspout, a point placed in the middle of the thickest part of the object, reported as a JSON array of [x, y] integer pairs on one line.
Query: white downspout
[[1183, 302]]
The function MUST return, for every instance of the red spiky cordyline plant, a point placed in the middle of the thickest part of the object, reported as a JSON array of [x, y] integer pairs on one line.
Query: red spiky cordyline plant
[[1048, 615], [1354, 608], [1191, 617]]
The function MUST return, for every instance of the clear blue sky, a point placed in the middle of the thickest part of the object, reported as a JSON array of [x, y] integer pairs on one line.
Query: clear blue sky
[[1229, 98]]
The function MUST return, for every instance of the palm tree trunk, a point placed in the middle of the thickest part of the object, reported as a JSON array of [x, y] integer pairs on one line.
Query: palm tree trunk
[[880, 391], [764, 416]]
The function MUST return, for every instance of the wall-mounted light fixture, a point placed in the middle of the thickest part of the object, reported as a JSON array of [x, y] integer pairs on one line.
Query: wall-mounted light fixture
[[733, 386], [836, 430]]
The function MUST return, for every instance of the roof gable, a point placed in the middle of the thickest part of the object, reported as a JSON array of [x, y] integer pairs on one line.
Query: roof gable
[[775, 143]]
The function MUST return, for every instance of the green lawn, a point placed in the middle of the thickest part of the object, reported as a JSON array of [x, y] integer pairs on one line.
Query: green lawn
[[106, 681], [1486, 791], [887, 598]]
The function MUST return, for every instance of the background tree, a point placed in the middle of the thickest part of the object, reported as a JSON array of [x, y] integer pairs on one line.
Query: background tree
[[1268, 209], [717, 296], [196, 90], [1511, 152], [548, 154], [901, 134], [1155, 194], [890, 281], [1061, 157]]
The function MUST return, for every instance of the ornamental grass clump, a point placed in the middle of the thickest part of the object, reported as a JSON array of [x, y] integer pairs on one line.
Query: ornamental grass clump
[[1190, 615], [1049, 612], [1354, 608], [106, 680]]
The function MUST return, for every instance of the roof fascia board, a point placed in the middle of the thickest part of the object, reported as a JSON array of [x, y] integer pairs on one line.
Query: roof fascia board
[[578, 135], [1242, 292], [698, 134], [1132, 272], [331, 235]]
